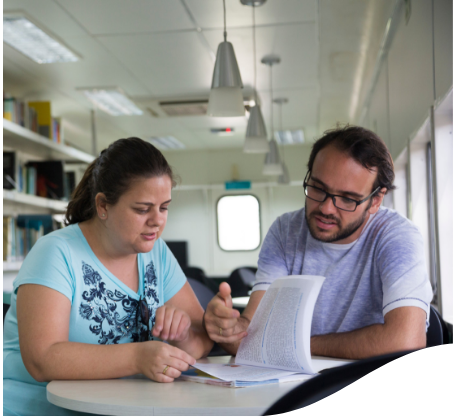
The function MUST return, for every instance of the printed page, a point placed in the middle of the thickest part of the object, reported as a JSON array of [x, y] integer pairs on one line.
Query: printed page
[[279, 334], [234, 372]]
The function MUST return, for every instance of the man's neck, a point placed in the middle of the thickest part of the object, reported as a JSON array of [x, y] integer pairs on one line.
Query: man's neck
[[352, 238]]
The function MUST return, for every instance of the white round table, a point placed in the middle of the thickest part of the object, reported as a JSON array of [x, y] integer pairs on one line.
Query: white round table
[[140, 396], [240, 302]]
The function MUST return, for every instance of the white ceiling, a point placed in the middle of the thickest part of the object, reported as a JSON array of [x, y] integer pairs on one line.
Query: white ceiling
[[163, 50]]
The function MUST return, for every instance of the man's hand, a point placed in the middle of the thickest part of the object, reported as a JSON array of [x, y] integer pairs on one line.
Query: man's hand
[[224, 324]]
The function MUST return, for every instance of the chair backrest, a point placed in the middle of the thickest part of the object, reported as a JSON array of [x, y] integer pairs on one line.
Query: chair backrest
[[203, 293], [248, 275], [241, 281], [328, 383], [437, 333], [195, 273]]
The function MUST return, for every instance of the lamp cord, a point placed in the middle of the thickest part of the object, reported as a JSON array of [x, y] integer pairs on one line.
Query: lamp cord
[[225, 27], [281, 130], [271, 100], [254, 54]]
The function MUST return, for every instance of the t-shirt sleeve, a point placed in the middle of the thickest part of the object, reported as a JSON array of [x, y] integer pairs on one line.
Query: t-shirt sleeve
[[47, 264], [173, 275], [402, 267], [271, 261]]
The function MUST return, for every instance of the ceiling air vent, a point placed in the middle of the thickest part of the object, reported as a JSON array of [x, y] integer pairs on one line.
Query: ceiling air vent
[[184, 108]]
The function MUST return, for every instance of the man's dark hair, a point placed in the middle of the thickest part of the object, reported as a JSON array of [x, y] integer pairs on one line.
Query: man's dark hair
[[365, 147]]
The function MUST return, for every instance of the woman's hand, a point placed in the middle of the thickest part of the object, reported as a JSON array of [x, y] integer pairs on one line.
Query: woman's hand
[[171, 324], [154, 357]]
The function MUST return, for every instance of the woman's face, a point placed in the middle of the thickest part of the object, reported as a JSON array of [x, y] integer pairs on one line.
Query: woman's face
[[139, 217]]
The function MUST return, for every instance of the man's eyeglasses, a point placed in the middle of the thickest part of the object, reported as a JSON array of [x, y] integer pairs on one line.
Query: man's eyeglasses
[[342, 203], [142, 315]]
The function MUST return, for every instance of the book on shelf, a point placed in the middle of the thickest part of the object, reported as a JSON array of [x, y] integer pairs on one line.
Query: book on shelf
[[43, 111], [20, 113], [46, 179], [35, 116], [22, 232], [10, 170], [277, 347], [50, 178], [69, 184]]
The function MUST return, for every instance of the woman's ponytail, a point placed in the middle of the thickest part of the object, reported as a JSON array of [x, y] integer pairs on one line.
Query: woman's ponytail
[[81, 206]]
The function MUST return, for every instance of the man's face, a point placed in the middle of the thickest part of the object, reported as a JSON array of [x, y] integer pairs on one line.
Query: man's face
[[336, 173]]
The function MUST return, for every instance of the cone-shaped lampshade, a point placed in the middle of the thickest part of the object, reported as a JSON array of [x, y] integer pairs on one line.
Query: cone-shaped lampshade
[[272, 164], [226, 102], [226, 98], [256, 136], [285, 177]]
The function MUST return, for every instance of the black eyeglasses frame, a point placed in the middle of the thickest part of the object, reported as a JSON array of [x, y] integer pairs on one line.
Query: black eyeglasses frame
[[333, 196]]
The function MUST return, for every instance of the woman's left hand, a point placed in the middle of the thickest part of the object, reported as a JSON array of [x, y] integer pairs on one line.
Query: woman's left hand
[[171, 324]]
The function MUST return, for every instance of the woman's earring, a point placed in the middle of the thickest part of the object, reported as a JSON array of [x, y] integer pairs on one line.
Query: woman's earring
[[103, 214]]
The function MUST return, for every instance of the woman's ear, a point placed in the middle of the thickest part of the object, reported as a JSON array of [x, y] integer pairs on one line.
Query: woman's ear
[[377, 201], [101, 205]]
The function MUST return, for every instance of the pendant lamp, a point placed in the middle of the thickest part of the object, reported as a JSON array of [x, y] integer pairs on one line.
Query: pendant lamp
[[285, 177], [226, 99], [272, 165], [256, 135]]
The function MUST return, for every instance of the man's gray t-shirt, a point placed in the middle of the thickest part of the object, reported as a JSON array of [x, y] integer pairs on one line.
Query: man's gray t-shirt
[[382, 270]]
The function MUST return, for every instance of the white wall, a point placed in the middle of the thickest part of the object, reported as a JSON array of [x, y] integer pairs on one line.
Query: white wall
[[444, 178]]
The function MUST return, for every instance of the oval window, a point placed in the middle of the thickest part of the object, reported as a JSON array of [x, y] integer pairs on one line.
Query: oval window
[[238, 222]]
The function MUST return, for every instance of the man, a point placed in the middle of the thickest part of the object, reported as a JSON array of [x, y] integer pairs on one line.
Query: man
[[376, 295]]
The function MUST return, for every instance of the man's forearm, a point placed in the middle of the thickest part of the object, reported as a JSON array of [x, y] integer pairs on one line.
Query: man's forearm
[[363, 343]]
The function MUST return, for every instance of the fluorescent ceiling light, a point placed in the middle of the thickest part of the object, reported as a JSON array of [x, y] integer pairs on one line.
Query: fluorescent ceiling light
[[289, 137], [111, 100], [167, 142], [35, 43]]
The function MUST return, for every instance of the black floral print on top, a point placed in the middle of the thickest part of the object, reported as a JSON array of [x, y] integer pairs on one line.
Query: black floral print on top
[[100, 306]]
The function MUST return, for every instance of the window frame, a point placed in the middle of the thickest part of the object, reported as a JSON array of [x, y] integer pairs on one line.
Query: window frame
[[259, 223]]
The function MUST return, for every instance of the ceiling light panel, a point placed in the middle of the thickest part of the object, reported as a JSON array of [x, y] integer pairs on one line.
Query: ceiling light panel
[[26, 37], [167, 142], [289, 137], [112, 100]]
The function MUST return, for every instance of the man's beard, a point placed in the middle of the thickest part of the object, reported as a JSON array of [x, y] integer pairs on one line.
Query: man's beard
[[341, 234]]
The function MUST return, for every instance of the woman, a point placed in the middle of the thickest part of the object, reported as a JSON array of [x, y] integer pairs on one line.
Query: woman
[[84, 292]]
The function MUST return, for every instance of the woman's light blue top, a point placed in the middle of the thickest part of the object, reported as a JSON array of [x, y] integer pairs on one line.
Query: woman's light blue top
[[103, 309]]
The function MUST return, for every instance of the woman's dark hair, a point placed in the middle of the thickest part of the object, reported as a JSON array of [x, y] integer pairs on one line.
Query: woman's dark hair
[[365, 147], [112, 172]]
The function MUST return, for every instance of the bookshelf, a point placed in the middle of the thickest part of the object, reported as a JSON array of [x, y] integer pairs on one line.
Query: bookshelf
[[11, 266], [34, 201], [25, 141]]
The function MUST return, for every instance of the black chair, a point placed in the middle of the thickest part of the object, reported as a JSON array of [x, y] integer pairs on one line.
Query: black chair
[[5, 309], [203, 293], [329, 382], [437, 333], [241, 280], [199, 275]]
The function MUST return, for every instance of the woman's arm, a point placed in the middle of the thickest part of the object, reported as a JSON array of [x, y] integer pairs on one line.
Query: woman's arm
[[43, 326], [179, 322]]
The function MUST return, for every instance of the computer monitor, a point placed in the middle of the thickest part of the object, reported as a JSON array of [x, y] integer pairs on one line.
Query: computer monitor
[[180, 251]]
